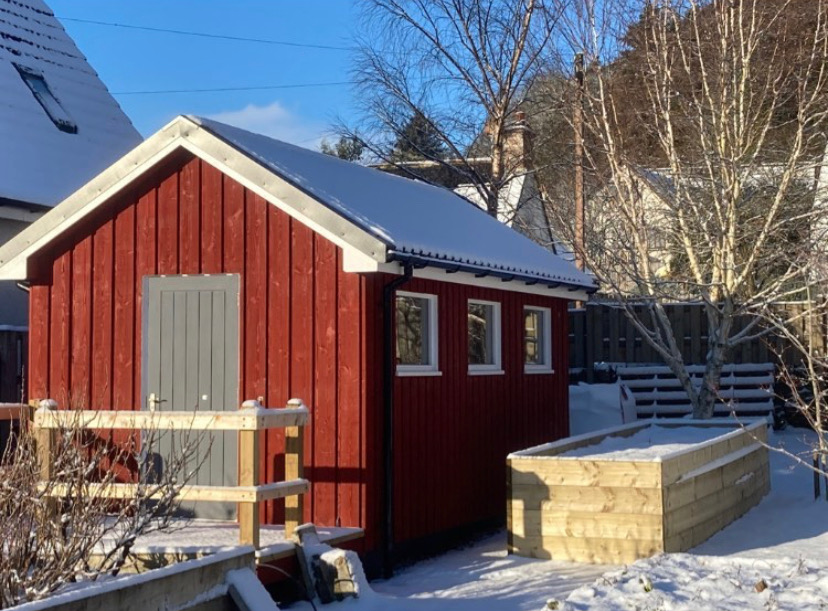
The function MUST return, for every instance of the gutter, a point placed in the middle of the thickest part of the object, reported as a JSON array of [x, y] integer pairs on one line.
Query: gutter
[[481, 272], [389, 370]]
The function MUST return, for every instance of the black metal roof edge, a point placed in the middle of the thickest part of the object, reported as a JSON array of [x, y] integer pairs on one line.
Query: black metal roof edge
[[24, 205], [481, 271]]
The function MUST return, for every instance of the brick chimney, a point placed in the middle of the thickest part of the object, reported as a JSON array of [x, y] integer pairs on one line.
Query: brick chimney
[[517, 147]]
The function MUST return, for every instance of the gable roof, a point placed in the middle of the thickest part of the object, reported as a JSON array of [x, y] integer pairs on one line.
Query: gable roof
[[385, 218], [42, 164]]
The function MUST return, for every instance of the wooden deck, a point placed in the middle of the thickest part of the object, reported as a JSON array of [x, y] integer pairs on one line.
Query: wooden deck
[[190, 539]]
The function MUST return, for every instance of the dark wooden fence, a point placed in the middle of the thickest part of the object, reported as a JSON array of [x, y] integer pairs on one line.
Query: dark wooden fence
[[601, 333], [13, 351]]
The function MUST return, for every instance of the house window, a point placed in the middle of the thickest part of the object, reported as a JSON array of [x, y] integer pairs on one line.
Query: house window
[[484, 337], [537, 340], [40, 89], [416, 319]]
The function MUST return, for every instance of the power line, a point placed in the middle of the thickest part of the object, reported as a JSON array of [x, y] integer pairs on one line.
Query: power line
[[211, 90], [265, 41]]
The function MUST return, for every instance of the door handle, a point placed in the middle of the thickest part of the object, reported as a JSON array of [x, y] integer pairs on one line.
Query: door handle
[[153, 401]]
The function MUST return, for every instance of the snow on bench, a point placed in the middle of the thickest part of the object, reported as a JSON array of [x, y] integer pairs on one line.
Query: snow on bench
[[746, 389]]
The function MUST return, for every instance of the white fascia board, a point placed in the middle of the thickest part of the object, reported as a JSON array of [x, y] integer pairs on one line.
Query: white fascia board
[[285, 196], [357, 262], [15, 253], [356, 243]]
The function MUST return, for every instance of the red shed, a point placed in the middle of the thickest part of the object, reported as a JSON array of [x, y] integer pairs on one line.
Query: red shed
[[211, 265]]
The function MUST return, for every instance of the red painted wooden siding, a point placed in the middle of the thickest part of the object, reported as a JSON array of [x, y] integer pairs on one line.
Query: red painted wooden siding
[[307, 330], [302, 331], [454, 431]]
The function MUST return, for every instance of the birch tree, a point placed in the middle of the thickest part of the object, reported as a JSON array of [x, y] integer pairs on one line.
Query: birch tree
[[731, 98], [460, 66]]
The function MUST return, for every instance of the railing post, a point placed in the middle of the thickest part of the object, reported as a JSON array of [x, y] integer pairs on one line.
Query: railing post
[[249, 476], [46, 441], [294, 469]]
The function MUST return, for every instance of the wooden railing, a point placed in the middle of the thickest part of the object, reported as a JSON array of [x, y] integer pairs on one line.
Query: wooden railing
[[248, 422]]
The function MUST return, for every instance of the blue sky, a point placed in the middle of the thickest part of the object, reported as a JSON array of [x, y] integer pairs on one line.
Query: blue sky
[[137, 60]]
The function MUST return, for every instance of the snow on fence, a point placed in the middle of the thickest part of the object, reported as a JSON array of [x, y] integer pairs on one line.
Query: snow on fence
[[619, 500], [248, 422], [601, 333], [194, 585]]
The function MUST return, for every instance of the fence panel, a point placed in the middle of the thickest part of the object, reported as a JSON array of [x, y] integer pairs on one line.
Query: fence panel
[[13, 351], [601, 332]]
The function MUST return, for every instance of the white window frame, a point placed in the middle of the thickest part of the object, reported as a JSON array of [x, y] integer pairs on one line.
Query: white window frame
[[496, 367], [432, 368], [545, 341]]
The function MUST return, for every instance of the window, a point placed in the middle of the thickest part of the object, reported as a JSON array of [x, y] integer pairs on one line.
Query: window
[[484, 337], [416, 319], [537, 340], [57, 113]]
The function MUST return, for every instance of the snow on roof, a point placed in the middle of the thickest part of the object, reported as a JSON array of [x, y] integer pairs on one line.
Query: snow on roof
[[40, 163], [417, 221]]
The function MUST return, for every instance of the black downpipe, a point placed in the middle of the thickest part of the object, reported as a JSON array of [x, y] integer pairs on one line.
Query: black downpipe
[[389, 367]]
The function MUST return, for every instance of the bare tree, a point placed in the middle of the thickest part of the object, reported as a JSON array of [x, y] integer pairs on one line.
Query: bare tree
[[460, 66], [804, 352], [70, 528], [736, 117]]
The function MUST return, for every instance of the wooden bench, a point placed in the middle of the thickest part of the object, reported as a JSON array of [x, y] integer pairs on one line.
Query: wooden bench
[[746, 389]]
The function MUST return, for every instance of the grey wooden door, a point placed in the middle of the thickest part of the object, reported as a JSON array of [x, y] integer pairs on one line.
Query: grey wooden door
[[191, 362]]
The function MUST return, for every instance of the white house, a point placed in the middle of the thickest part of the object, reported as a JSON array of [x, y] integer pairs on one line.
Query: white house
[[520, 202], [59, 126]]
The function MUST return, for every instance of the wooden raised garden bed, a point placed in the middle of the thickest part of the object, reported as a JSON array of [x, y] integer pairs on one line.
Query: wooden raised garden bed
[[635, 490]]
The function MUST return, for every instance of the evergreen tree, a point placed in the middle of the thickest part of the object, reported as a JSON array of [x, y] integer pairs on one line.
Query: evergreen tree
[[349, 148], [418, 139]]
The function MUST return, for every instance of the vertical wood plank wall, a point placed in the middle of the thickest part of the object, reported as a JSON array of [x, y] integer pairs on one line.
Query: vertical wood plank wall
[[454, 431], [301, 320]]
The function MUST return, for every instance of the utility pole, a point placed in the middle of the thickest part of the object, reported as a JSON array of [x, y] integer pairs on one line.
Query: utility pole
[[578, 122]]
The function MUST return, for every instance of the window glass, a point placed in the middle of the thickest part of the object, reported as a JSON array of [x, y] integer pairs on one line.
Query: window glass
[[533, 337], [482, 329], [413, 322], [537, 340]]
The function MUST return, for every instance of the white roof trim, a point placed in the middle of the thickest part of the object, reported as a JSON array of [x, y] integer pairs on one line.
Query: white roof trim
[[184, 133]]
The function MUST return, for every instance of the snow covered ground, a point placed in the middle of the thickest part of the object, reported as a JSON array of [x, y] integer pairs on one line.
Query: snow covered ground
[[481, 577], [593, 407], [783, 542]]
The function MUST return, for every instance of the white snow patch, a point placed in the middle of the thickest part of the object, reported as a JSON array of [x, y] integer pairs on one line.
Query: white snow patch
[[251, 590], [478, 578], [684, 582], [197, 536], [593, 407], [651, 443]]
